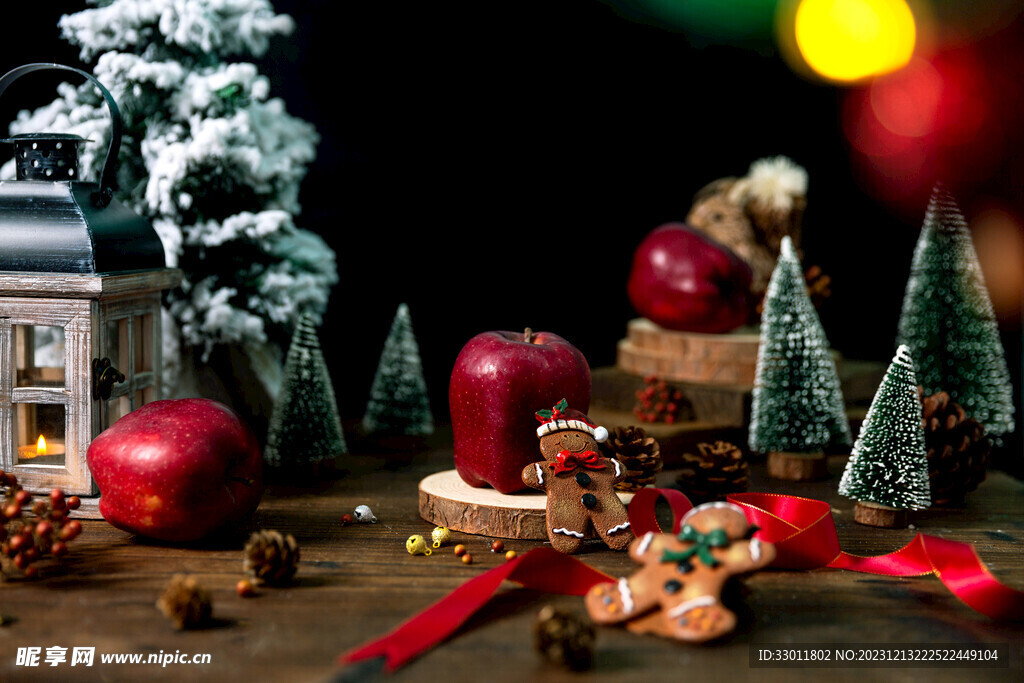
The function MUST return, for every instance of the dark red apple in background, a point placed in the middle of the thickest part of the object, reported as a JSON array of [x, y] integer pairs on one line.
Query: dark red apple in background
[[682, 279], [177, 470], [500, 380]]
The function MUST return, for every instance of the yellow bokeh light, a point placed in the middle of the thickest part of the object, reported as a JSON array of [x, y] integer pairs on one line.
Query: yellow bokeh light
[[848, 40]]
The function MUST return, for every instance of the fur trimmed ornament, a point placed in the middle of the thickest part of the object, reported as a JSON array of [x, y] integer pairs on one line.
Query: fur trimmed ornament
[[641, 454], [271, 557], [716, 470], [185, 602], [752, 214], [957, 448]]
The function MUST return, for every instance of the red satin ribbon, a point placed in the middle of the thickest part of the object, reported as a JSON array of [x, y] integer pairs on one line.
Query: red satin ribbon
[[542, 569], [802, 530], [804, 535], [568, 461]]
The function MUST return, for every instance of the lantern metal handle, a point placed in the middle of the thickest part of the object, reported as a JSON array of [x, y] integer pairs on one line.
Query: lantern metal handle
[[105, 193]]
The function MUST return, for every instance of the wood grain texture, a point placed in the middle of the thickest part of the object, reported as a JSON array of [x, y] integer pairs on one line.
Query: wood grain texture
[[446, 500], [358, 582], [729, 359]]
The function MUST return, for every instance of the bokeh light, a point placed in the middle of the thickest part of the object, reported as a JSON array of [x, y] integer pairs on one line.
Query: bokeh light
[[850, 40], [999, 240]]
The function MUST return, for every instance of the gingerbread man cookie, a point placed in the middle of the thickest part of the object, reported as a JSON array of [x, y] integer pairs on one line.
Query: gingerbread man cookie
[[580, 484], [677, 592]]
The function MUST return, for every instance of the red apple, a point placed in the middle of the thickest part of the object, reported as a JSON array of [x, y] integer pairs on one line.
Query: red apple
[[177, 470], [500, 380], [683, 280]]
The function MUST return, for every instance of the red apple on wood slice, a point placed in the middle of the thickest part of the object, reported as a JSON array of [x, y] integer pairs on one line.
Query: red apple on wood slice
[[683, 280], [177, 470], [500, 380]]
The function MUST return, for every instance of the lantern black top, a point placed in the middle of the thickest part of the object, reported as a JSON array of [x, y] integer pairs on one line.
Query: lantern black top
[[52, 222]]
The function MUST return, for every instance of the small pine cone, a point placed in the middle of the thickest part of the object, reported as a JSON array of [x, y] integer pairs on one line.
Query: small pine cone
[[958, 450], [185, 602], [718, 470], [271, 557], [641, 455], [564, 638]]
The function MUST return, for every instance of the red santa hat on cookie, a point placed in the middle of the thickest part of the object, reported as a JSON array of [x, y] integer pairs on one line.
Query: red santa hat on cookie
[[561, 418]]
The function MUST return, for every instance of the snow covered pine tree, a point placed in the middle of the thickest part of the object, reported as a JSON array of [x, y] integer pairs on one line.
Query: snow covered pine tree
[[211, 160], [798, 407]]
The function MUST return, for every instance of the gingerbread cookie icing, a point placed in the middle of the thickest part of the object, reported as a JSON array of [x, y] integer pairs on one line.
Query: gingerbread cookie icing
[[580, 483], [677, 592]]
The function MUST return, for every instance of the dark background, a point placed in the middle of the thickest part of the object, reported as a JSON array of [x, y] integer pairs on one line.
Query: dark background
[[495, 164]]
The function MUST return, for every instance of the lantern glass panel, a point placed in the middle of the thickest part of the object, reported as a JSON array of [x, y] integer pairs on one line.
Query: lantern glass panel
[[40, 355], [40, 434]]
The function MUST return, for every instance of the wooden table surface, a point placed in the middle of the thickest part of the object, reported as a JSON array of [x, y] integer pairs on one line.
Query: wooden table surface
[[358, 582]]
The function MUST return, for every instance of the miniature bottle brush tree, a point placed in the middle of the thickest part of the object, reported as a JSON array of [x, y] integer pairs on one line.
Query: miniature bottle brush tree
[[798, 407], [887, 473]]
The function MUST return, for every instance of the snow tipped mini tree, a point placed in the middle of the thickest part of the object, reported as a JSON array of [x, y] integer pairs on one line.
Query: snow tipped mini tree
[[210, 159], [304, 427], [948, 321], [798, 409], [889, 464], [398, 398]]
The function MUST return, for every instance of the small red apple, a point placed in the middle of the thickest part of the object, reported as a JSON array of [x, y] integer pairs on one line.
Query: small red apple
[[682, 279], [500, 380], [177, 470]]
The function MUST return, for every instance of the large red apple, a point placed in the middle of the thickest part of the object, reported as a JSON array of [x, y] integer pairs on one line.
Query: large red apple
[[682, 279], [177, 470], [500, 380]]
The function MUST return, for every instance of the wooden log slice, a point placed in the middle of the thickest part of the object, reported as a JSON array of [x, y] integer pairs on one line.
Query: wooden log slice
[[873, 514], [446, 500], [688, 356], [797, 466]]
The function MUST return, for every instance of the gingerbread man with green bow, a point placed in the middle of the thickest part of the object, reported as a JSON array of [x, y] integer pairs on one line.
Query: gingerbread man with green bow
[[677, 592], [580, 483]]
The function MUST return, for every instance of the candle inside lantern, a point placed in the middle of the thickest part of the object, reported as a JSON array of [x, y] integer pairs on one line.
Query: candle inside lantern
[[40, 448]]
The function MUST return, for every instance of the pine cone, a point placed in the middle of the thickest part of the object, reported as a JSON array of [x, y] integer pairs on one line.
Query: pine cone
[[640, 453], [185, 602], [958, 450], [271, 557], [717, 471], [564, 638]]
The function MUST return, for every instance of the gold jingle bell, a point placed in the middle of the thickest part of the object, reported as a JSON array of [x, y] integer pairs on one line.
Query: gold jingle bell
[[417, 545], [441, 535]]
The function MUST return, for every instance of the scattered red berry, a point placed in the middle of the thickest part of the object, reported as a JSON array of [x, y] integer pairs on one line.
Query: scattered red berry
[[510, 555], [497, 547], [245, 589], [467, 558], [346, 519], [459, 550]]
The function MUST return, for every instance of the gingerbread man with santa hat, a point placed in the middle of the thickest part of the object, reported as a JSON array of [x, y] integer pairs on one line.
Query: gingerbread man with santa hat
[[580, 484]]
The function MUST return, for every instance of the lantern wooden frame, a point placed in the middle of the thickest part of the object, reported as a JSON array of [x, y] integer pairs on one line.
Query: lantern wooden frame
[[88, 308]]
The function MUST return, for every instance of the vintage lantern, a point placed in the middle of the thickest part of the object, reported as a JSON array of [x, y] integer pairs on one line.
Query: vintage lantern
[[81, 278]]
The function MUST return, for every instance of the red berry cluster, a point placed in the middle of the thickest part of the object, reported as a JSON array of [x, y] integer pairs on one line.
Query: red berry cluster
[[24, 540], [657, 401]]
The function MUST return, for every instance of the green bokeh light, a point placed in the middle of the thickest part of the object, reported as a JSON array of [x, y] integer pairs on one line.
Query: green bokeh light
[[709, 21]]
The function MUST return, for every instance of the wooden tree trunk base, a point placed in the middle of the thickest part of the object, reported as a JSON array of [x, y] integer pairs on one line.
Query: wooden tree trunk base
[[446, 500], [797, 466], [873, 514]]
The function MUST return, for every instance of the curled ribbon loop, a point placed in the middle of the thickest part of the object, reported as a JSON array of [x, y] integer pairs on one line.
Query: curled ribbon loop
[[805, 537], [568, 461]]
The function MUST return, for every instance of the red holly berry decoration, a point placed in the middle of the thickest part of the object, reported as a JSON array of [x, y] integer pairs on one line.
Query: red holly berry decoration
[[25, 541], [658, 401]]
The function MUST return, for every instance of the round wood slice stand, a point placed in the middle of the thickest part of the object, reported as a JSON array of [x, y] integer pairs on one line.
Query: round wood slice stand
[[872, 514], [716, 359], [446, 500], [797, 466]]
